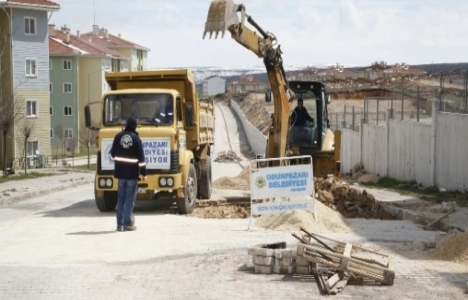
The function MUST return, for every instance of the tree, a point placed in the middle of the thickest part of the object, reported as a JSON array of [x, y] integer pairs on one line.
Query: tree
[[72, 144], [59, 134], [26, 129], [87, 137]]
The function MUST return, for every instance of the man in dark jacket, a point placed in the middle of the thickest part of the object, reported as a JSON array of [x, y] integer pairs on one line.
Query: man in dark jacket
[[164, 114], [127, 151], [300, 116]]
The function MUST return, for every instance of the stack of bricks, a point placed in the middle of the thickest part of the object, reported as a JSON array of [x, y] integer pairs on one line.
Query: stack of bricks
[[278, 261]]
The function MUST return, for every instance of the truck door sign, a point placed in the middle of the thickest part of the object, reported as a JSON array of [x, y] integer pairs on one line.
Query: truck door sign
[[157, 153]]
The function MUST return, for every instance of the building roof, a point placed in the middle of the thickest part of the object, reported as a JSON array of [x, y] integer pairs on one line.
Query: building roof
[[43, 4], [404, 69], [58, 45], [105, 39], [248, 80], [336, 72]]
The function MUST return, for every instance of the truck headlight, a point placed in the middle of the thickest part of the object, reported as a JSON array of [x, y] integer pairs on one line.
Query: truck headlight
[[170, 181], [162, 181], [102, 182], [109, 182]]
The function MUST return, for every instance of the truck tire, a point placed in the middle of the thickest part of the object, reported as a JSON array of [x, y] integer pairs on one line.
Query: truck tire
[[106, 203], [205, 183], [186, 205]]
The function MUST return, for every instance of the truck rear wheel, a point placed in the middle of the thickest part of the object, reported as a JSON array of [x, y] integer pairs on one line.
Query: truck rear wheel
[[186, 205], [205, 186], [107, 202]]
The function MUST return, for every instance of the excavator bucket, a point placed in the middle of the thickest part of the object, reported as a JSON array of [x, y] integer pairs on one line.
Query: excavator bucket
[[221, 15]]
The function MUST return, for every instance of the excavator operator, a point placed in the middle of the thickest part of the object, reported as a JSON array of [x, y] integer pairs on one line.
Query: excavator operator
[[300, 116]]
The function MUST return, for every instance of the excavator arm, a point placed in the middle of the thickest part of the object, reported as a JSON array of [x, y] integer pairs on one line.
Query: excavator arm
[[223, 15]]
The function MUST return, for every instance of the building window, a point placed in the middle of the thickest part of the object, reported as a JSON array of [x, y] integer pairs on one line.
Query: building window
[[31, 109], [51, 111], [67, 110], [50, 88], [67, 87], [31, 69], [33, 148], [67, 65], [68, 133], [51, 133], [30, 26]]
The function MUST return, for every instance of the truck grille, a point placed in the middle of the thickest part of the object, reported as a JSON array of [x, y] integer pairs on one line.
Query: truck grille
[[175, 168]]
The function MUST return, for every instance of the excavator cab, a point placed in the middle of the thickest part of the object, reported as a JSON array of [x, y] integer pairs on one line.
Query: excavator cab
[[308, 125]]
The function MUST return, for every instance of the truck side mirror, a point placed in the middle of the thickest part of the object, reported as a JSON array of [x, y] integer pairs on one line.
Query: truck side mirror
[[188, 115], [268, 96], [87, 113], [329, 99]]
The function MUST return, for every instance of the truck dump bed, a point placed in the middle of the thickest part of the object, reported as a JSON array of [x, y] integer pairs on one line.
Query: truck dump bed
[[182, 80]]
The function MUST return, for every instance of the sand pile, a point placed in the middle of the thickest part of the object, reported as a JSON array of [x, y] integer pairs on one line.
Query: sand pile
[[239, 182], [454, 248], [327, 220]]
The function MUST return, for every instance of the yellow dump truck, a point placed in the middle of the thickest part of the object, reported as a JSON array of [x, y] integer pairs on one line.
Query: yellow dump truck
[[177, 146]]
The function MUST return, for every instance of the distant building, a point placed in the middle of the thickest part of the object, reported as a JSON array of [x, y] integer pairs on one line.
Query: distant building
[[402, 70], [336, 72], [138, 54], [24, 76], [374, 71], [213, 85], [248, 84], [77, 69]]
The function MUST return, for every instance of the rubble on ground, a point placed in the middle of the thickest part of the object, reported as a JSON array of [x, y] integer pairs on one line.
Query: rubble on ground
[[350, 202], [239, 182], [453, 247], [227, 157]]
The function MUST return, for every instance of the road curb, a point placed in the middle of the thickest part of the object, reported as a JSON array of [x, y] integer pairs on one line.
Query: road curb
[[25, 196]]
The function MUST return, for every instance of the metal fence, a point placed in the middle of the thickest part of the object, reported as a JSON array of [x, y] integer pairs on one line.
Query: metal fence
[[407, 103]]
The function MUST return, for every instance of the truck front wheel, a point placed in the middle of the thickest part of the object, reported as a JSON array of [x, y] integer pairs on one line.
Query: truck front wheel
[[205, 186], [107, 202], [186, 205]]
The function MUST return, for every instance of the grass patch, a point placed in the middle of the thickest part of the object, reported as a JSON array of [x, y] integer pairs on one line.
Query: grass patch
[[22, 176], [416, 190]]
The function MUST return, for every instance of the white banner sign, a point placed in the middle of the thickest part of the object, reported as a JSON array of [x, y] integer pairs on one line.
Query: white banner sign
[[157, 153], [275, 207], [282, 181]]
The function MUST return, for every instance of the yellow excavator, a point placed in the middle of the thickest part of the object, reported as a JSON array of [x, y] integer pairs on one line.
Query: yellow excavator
[[285, 138]]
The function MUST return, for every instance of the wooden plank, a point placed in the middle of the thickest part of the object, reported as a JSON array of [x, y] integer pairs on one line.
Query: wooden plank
[[339, 286], [346, 257], [332, 281]]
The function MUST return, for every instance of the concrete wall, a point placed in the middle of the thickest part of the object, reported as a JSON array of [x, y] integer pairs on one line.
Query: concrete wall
[[374, 155], [256, 139], [430, 154], [410, 152], [451, 150], [351, 154]]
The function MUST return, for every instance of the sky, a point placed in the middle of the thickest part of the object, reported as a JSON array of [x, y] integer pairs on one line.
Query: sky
[[310, 32]]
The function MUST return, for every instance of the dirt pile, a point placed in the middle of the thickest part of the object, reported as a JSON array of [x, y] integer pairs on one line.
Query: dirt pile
[[453, 248], [350, 202], [256, 112], [218, 210], [239, 182], [327, 220], [227, 157]]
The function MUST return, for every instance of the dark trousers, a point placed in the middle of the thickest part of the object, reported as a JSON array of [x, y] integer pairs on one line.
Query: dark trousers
[[126, 201]]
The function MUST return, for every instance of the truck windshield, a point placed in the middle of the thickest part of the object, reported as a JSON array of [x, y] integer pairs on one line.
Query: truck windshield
[[151, 109]]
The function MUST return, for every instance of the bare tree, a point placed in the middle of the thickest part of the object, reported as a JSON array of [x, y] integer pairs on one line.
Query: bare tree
[[87, 137], [27, 130], [72, 144], [59, 134]]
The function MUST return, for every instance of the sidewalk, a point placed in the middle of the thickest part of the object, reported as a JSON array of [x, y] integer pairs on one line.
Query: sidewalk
[[19, 190]]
